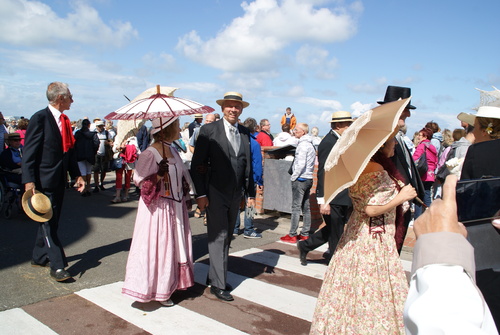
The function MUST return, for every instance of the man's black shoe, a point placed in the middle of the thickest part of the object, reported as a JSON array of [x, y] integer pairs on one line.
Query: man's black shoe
[[42, 265], [303, 254], [60, 274], [96, 189], [221, 294], [102, 187], [228, 286]]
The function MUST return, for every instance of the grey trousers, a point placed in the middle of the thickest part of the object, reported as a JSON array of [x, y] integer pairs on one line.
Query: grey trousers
[[221, 215], [300, 202]]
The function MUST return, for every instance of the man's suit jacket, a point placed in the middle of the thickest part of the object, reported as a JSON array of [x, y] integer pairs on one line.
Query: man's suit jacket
[[44, 161], [404, 163], [482, 160], [324, 148], [211, 164]]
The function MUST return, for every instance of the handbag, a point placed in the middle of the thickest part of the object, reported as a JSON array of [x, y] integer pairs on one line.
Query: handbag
[[116, 164], [421, 163]]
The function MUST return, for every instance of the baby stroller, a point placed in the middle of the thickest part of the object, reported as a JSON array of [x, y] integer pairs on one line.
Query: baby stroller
[[10, 194]]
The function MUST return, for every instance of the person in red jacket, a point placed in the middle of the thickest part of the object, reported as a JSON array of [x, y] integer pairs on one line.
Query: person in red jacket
[[265, 138]]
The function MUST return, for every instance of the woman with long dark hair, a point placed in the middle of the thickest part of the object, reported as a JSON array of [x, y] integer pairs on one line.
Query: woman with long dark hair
[[365, 286]]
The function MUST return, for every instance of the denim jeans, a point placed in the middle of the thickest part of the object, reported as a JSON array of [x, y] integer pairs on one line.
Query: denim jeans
[[248, 223], [300, 201]]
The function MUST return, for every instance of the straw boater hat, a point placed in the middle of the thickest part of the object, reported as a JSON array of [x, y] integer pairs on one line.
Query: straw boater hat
[[235, 96], [162, 123], [341, 116], [483, 111], [14, 136], [394, 93], [198, 116], [37, 206]]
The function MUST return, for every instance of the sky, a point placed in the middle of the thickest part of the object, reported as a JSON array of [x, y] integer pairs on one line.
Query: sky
[[315, 56]]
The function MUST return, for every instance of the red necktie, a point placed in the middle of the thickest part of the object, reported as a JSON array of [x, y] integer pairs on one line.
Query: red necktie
[[68, 140]]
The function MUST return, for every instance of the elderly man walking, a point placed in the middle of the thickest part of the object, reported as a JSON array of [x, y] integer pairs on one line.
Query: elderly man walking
[[221, 170], [302, 180], [47, 158]]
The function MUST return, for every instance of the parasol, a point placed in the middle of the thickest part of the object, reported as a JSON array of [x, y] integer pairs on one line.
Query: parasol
[[158, 105], [358, 143], [129, 128]]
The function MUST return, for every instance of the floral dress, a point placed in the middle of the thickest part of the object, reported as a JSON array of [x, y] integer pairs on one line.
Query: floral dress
[[160, 260], [365, 286]]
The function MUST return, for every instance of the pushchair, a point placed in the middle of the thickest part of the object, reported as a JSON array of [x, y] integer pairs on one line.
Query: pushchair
[[10, 195]]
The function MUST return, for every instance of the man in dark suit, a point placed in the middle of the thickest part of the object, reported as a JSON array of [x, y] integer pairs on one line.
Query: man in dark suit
[[47, 158], [403, 158], [221, 170], [337, 212]]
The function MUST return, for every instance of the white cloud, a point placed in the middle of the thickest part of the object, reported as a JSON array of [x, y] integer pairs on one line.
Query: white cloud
[[33, 23], [319, 120], [58, 64], [331, 105], [253, 41], [317, 60], [359, 108], [295, 91], [201, 87]]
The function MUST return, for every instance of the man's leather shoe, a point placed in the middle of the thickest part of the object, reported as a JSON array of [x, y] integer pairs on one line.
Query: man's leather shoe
[[60, 274], [221, 294], [42, 265], [303, 254], [228, 286]]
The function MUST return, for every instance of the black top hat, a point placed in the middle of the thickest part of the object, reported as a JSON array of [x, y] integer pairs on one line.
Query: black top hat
[[395, 93]]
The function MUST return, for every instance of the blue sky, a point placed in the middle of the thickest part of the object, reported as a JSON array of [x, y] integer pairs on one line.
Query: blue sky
[[315, 56]]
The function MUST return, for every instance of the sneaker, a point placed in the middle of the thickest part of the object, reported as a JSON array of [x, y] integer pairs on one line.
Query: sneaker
[[236, 233], [302, 237], [253, 234], [289, 239]]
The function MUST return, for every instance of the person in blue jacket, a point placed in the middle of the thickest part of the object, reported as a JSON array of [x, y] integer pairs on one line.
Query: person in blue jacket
[[249, 230]]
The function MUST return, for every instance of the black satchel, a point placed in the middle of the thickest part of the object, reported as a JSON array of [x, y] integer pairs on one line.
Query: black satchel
[[422, 166]]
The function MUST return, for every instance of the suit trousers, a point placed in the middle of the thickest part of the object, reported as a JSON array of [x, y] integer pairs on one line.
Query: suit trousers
[[221, 215], [48, 247], [332, 231]]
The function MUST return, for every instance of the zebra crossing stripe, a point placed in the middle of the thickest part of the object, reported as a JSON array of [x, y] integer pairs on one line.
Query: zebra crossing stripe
[[16, 321], [283, 262], [274, 297], [176, 319]]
